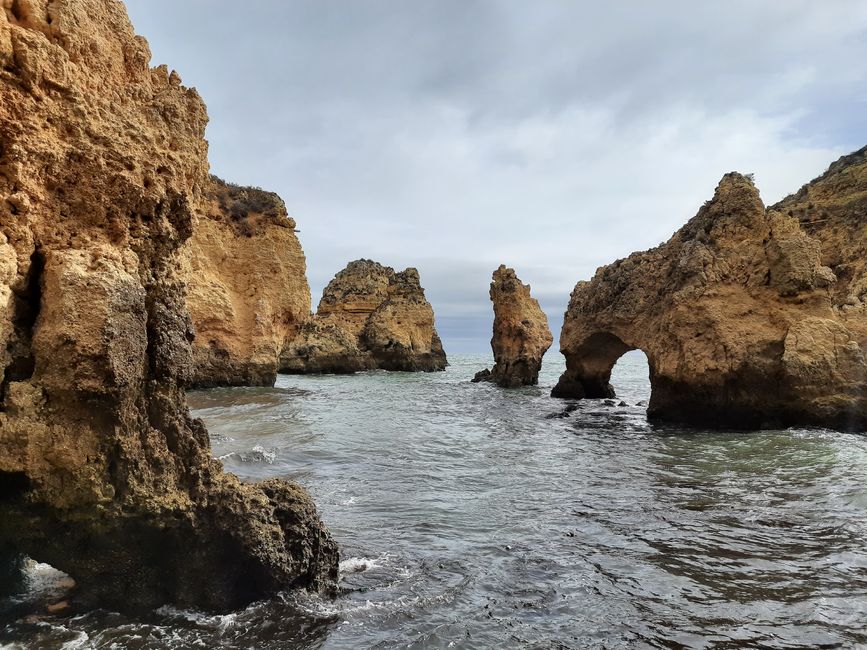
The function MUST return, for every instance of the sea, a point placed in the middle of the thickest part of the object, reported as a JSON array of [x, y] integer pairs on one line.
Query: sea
[[474, 517]]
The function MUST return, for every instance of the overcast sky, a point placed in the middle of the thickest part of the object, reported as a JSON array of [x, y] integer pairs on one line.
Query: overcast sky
[[552, 136]]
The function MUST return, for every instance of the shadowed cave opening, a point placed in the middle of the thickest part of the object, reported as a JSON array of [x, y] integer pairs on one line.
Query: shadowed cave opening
[[27, 304], [23, 580], [29, 586], [13, 485]]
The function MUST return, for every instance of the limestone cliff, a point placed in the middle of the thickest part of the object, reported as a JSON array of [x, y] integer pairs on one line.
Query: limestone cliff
[[749, 317], [369, 317], [103, 473], [521, 333], [247, 289]]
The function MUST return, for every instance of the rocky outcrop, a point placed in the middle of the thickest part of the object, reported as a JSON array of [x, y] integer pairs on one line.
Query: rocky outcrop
[[247, 289], [749, 317], [369, 317], [521, 333], [103, 473]]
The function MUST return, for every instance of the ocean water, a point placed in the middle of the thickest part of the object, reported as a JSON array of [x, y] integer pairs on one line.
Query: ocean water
[[472, 517]]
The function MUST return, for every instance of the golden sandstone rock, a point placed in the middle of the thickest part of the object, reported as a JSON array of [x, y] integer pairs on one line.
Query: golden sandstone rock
[[749, 316], [103, 474], [369, 317], [521, 333], [247, 288]]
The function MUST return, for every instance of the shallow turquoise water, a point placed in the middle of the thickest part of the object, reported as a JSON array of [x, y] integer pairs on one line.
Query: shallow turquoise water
[[474, 517]]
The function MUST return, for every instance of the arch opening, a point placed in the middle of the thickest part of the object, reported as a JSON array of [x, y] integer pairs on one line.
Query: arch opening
[[630, 378], [24, 581], [30, 586], [589, 369]]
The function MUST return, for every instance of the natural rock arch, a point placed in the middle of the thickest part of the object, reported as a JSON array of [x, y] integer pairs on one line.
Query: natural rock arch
[[745, 318], [588, 368]]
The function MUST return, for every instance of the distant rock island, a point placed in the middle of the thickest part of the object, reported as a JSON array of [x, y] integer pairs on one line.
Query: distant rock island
[[749, 316], [247, 289], [369, 317], [521, 333]]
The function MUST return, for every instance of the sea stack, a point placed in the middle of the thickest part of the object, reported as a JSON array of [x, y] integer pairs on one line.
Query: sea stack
[[369, 317], [749, 317], [247, 289], [521, 333], [103, 473]]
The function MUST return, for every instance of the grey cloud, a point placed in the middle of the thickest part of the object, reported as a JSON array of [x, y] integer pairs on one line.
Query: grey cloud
[[454, 135]]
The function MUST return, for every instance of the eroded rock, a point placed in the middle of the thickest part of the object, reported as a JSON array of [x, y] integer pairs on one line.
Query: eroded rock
[[103, 474], [521, 333], [247, 289], [369, 317], [748, 317]]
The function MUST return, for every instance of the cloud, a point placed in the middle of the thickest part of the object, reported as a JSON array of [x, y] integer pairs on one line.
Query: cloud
[[455, 135]]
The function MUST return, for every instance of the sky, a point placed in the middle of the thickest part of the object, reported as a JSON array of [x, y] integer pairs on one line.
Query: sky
[[552, 136]]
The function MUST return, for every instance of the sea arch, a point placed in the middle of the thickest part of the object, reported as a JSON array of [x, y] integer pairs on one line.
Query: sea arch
[[589, 366]]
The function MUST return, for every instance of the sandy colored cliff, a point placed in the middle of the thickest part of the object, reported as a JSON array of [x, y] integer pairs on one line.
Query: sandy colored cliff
[[104, 475], [247, 289], [749, 316]]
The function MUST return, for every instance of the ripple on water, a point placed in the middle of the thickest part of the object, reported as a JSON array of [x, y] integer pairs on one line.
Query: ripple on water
[[469, 516]]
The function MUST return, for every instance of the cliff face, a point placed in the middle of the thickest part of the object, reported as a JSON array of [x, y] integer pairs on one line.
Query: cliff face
[[247, 289], [103, 473], [832, 210], [521, 333], [369, 317], [749, 317]]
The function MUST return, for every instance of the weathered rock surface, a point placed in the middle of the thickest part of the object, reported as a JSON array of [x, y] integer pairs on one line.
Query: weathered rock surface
[[247, 289], [369, 317], [521, 333], [749, 317], [103, 473]]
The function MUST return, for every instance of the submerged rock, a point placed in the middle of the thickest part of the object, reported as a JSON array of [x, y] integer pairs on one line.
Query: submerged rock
[[369, 317], [521, 333], [748, 316], [103, 473], [247, 289]]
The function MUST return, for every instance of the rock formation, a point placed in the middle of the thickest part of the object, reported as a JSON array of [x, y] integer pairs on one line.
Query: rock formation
[[103, 474], [247, 289], [369, 317], [749, 317], [521, 333]]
